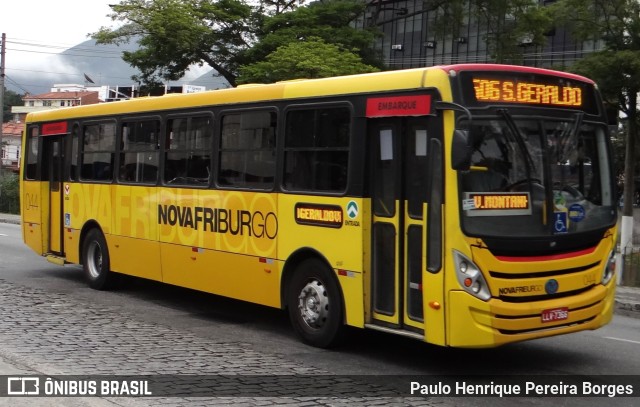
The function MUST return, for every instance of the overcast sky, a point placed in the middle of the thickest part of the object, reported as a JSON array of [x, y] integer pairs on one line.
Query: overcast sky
[[49, 26], [37, 30]]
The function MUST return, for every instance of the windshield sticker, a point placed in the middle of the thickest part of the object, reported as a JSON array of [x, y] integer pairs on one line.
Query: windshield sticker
[[576, 212], [559, 199], [497, 204], [560, 224]]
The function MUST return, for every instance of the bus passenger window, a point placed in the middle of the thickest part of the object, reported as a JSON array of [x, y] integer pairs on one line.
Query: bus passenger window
[[247, 150], [188, 145], [317, 149], [98, 149], [31, 169], [73, 160], [139, 152]]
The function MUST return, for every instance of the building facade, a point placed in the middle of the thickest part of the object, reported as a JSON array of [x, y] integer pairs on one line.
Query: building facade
[[60, 96], [57, 98], [415, 36], [11, 140]]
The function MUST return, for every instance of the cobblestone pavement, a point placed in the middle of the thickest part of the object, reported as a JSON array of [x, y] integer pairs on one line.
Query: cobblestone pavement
[[52, 334]]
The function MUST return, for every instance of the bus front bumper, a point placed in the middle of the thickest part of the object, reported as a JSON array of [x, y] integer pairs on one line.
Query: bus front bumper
[[474, 323]]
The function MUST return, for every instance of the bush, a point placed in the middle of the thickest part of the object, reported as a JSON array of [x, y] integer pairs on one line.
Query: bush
[[9, 194]]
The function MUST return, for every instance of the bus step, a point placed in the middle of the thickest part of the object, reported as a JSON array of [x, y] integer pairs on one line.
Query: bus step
[[400, 332], [60, 261]]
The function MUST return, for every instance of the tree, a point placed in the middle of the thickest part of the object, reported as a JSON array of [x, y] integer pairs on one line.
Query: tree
[[311, 58], [11, 98], [508, 24], [176, 34], [173, 35], [616, 69], [327, 20], [9, 194]]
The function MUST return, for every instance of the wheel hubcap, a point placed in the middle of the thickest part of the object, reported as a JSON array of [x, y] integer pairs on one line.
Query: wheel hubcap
[[94, 259], [313, 304]]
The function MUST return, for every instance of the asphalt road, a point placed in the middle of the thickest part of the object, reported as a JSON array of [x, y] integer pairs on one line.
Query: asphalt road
[[54, 324]]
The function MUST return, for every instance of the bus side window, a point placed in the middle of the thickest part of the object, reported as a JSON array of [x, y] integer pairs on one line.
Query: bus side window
[[247, 150], [317, 149], [73, 159], [98, 151], [139, 152], [188, 145], [31, 169]]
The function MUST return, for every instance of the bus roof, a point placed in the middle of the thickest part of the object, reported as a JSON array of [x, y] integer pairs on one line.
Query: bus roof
[[515, 68], [371, 82]]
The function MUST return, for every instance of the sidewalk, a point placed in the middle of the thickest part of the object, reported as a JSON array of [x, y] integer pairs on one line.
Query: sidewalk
[[627, 298]]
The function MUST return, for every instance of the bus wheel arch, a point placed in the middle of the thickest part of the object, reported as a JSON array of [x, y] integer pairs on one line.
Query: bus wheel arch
[[94, 256], [313, 297]]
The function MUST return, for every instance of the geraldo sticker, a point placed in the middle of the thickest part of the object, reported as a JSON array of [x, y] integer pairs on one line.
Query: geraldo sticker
[[319, 215]]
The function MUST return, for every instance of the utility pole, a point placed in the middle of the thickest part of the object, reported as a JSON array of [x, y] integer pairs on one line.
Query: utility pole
[[2, 52]]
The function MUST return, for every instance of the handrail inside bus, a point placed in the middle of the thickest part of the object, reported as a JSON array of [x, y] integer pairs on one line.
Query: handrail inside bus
[[442, 105]]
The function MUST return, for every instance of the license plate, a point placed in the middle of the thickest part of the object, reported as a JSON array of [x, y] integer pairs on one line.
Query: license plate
[[555, 314]]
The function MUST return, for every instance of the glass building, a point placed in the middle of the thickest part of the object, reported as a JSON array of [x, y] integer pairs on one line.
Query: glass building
[[414, 36]]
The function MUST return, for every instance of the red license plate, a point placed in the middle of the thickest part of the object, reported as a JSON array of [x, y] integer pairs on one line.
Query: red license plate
[[555, 314]]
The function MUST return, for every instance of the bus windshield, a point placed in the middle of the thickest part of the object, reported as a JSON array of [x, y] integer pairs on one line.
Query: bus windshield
[[536, 177]]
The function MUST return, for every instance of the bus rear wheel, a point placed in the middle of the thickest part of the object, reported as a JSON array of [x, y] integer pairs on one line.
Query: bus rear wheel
[[315, 304], [95, 261]]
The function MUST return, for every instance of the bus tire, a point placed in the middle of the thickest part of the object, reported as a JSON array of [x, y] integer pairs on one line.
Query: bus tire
[[95, 261], [315, 304]]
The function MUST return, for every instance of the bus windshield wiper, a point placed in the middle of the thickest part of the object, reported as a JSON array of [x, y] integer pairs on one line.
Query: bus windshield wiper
[[568, 135], [517, 135], [528, 162]]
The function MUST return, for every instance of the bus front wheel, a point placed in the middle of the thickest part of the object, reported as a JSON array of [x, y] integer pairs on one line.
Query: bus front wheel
[[95, 260], [315, 304]]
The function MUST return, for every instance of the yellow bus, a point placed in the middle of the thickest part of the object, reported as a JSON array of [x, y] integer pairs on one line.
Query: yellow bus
[[465, 205]]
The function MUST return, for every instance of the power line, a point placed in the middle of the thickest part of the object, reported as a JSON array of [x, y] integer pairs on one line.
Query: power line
[[62, 73], [16, 84], [92, 55], [45, 45], [31, 41], [103, 51]]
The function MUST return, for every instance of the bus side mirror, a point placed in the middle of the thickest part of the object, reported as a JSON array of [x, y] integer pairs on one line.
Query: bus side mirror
[[460, 151]]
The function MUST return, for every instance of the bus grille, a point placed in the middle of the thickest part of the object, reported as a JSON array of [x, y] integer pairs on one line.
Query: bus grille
[[538, 274], [526, 331], [544, 297]]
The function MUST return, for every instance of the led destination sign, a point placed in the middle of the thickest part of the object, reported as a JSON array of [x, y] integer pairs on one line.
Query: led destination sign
[[510, 91], [486, 88]]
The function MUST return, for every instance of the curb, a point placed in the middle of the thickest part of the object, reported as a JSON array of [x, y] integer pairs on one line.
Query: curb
[[628, 309], [628, 301], [7, 220]]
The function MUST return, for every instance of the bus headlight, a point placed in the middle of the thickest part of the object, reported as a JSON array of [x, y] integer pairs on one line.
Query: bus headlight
[[609, 268], [470, 277]]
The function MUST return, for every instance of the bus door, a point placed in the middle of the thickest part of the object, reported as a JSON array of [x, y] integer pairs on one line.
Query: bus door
[[53, 148], [399, 181]]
